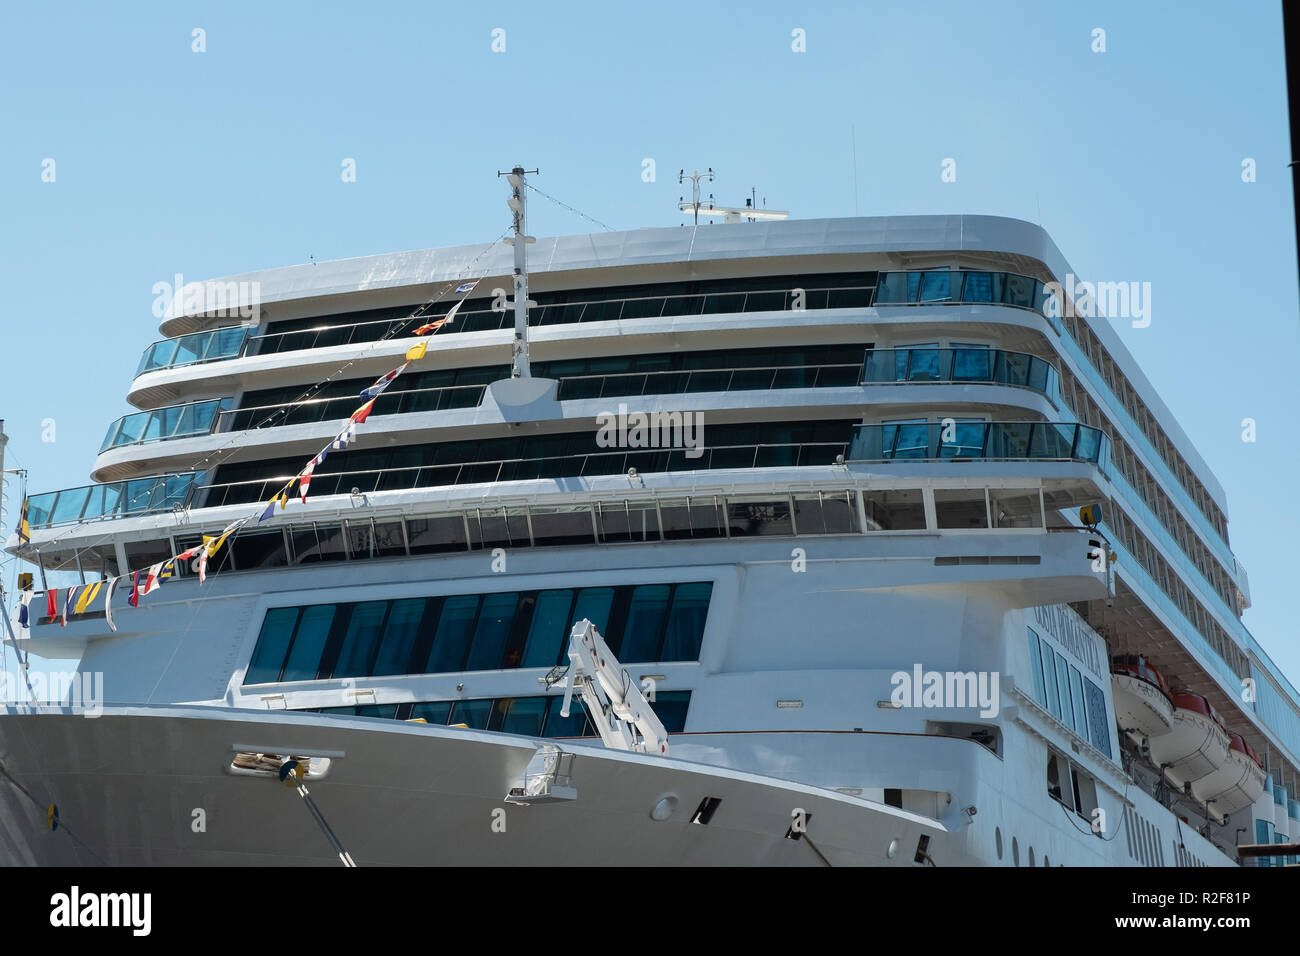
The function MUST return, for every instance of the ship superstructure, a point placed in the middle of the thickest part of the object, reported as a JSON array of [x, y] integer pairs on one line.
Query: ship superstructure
[[910, 560]]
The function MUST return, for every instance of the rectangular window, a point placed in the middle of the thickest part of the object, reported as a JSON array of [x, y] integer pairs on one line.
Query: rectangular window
[[560, 526], [828, 513], [621, 521], [548, 631], [960, 508], [272, 645], [692, 518], [1049, 679], [754, 517], [451, 640], [1036, 668], [686, 622], [594, 605], [432, 712], [492, 631], [646, 616], [670, 707], [361, 639], [1015, 508], [575, 725], [314, 543], [521, 715], [397, 647], [498, 528], [1063, 687], [1076, 698], [474, 714], [436, 535], [309, 643], [1098, 720], [894, 510]]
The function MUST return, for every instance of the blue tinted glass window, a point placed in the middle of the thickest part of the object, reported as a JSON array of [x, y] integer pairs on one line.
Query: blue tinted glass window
[[548, 633], [1098, 723], [493, 630], [670, 707], [937, 286], [309, 642], [575, 725], [686, 622], [1036, 668], [435, 712], [594, 604], [978, 287], [1049, 678], [1076, 697], [522, 715], [1063, 687], [272, 644], [400, 632], [386, 711], [361, 639], [451, 641], [646, 615], [474, 714]]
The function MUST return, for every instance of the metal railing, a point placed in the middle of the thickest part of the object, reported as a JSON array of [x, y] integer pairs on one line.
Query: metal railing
[[114, 499], [924, 441], [616, 462], [340, 407], [163, 424], [194, 348], [595, 310], [960, 366], [671, 382]]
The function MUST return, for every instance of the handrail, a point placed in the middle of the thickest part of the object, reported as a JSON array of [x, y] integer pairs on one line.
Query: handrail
[[614, 462], [913, 366], [689, 375], [346, 405], [925, 441], [114, 499], [186, 414]]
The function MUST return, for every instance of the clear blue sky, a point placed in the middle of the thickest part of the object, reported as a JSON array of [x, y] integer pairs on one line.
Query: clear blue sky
[[226, 161]]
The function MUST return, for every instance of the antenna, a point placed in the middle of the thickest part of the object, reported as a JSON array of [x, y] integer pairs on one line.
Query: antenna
[[695, 178], [518, 203]]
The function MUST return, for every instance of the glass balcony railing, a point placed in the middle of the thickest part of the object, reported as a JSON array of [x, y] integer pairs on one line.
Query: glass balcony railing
[[923, 441], [194, 348], [960, 366], [327, 409], [163, 424], [680, 382], [962, 287], [114, 499]]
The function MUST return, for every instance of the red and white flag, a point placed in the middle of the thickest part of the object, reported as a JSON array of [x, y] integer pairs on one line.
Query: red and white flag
[[151, 582], [108, 604]]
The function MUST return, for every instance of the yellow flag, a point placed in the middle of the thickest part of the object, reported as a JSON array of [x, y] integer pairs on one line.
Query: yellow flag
[[87, 596], [417, 351]]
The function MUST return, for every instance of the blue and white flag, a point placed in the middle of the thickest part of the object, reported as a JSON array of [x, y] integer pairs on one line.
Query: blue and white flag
[[344, 437], [383, 382], [467, 287], [24, 599]]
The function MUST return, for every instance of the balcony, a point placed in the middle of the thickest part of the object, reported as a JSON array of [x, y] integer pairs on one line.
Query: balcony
[[961, 366], [192, 349], [115, 499], [967, 441], [164, 424]]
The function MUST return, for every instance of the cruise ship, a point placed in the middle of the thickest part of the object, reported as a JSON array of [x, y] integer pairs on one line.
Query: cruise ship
[[856, 541]]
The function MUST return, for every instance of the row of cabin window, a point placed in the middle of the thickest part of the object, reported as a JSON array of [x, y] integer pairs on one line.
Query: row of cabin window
[[475, 632], [1069, 696], [531, 716]]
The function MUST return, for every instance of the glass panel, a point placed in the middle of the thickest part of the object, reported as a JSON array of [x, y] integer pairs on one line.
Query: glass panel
[[894, 510], [829, 513], [627, 521], [433, 712], [549, 631], [1063, 687], [686, 621], [492, 632], [1019, 290], [1015, 508], [978, 287], [323, 542], [436, 535], [388, 539], [272, 645], [692, 518], [361, 640], [967, 440], [646, 615], [254, 550], [575, 725], [69, 505], [753, 517], [143, 554], [385, 711], [896, 287], [1076, 697], [451, 641], [400, 634], [1098, 724], [309, 642], [1049, 678], [1036, 668], [559, 526], [473, 714], [937, 286], [670, 707], [960, 508], [522, 715], [594, 605], [905, 440], [923, 365], [972, 365]]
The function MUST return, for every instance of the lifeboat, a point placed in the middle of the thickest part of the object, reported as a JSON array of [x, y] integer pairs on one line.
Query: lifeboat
[[1195, 747], [1143, 706], [1235, 785]]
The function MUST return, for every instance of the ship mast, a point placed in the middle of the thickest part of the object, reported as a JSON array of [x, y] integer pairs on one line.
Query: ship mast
[[518, 203]]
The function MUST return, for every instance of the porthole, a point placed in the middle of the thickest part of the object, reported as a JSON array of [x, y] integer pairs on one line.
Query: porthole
[[997, 838], [1015, 852]]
